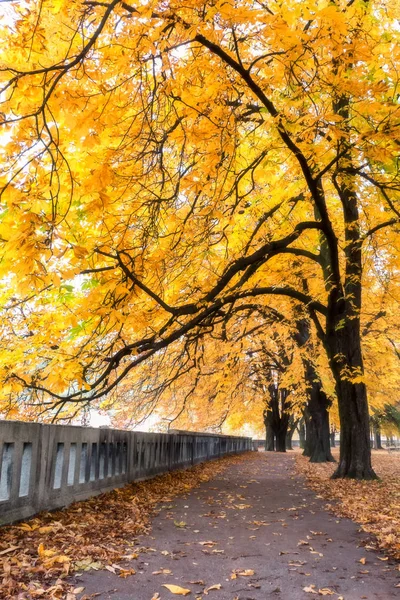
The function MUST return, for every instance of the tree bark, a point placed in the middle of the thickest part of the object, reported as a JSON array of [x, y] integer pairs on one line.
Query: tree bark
[[377, 438], [281, 441], [343, 333], [269, 433], [318, 447], [332, 438], [302, 434], [277, 415], [309, 434], [290, 431], [289, 435], [344, 349]]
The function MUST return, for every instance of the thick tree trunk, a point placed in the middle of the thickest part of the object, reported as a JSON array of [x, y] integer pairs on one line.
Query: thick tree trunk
[[318, 443], [302, 434], [332, 438], [289, 435], [282, 423], [345, 356], [309, 433], [377, 438], [316, 415], [276, 416], [269, 433], [343, 332], [290, 431], [281, 440]]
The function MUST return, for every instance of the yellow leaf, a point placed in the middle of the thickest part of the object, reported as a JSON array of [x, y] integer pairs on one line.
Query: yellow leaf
[[79, 251], [176, 589], [47, 529], [217, 586], [25, 527]]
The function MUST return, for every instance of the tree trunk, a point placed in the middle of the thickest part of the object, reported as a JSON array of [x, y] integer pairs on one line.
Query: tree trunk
[[277, 415], [332, 438], [289, 435], [377, 438], [281, 440], [269, 433], [290, 431], [302, 434], [309, 434], [345, 357], [316, 415], [343, 333], [318, 444]]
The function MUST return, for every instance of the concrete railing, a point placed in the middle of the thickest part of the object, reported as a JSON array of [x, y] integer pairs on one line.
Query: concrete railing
[[43, 467], [261, 444]]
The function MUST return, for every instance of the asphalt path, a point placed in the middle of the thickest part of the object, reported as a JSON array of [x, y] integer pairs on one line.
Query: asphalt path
[[254, 532]]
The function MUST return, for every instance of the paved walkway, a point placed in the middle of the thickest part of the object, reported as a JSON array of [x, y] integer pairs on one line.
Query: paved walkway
[[259, 533]]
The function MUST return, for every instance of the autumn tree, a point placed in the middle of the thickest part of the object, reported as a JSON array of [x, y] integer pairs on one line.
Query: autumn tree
[[163, 162]]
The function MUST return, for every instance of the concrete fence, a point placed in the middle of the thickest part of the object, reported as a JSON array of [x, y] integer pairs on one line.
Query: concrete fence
[[261, 444], [43, 467]]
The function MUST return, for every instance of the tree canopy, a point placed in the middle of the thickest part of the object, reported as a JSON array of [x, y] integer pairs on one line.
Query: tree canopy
[[165, 163]]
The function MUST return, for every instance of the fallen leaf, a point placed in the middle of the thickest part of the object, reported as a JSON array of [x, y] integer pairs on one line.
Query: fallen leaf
[[310, 589], [208, 543], [110, 568], [25, 527], [47, 529], [124, 573], [176, 589], [180, 524], [362, 561], [162, 572], [78, 590], [10, 549], [217, 586], [325, 592], [242, 573]]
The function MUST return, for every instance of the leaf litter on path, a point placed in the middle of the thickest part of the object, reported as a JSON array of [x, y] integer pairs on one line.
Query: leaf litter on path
[[36, 557], [373, 504]]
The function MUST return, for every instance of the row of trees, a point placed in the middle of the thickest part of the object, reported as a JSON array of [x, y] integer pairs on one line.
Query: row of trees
[[170, 168]]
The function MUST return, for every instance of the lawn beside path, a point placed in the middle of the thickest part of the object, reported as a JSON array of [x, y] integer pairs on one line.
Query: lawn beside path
[[255, 531]]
